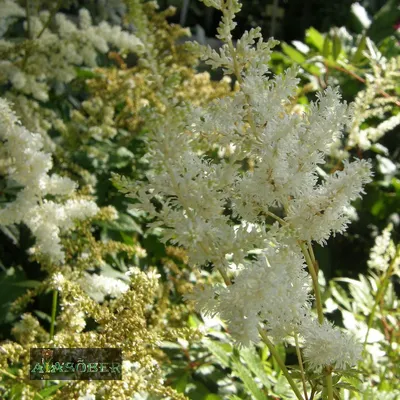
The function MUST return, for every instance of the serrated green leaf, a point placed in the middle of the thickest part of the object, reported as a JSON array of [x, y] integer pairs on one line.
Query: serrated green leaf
[[219, 352], [253, 360], [340, 295], [124, 223], [240, 371], [348, 386]]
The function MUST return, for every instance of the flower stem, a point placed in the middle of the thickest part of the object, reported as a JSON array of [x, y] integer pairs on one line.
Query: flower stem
[[313, 268], [224, 276], [280, 362], [300, 359], [280, 220], [329, 385], [53, 313], [381, 292], [313, 272]]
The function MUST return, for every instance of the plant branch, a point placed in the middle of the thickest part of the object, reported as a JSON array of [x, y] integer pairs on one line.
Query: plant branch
[[300, 359], [53, 313], [329, 385], [280, 362], [381, 292], [362, 80], [314, 275]]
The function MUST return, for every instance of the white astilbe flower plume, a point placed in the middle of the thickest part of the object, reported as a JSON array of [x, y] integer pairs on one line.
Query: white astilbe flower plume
[[383, 251], [223, 209], [323, 210], [274, 290], [98, 286], [204, 297], [325, 345], [28, 166], [59, 48]]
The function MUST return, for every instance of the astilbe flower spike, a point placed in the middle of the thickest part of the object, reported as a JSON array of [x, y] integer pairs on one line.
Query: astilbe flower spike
[[28, 165], [282, 153]]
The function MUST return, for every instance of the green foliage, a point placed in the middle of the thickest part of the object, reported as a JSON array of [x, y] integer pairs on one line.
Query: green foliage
[[95, 127]]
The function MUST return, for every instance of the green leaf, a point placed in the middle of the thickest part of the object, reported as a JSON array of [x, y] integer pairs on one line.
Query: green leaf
[[220, 352], [396, 184], [12, 232], [336, 46], [10, 290], [85, 73], [312, 69], [326, 50], [340, 295], [383, 21], [212, 396], [252, 359], [348, 386], [124, 223], [282, 353], [294, 54], [16, 391], [240, 371], [358, 55], [42, 315], [49, 390], [27, 284], [181, 383], [314, 38]]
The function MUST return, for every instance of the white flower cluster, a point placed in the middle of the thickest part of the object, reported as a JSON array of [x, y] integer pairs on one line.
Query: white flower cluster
[[371, 105], [384, 250], [56, 53], [198, 199], [10, 11], [98, 286], [325, 345], [274, 289], [28, 167]]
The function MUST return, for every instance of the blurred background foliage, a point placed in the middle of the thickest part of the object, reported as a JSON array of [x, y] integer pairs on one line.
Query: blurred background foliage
[[104, 112]]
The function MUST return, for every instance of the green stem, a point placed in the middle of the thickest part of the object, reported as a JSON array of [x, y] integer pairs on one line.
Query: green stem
[[280, 220], [280, 362], [313, 268], [51, 16], [225, 276], [300, 359], [329, 386], [381, 292], [314, 276], [53, 313], [28, 18]]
